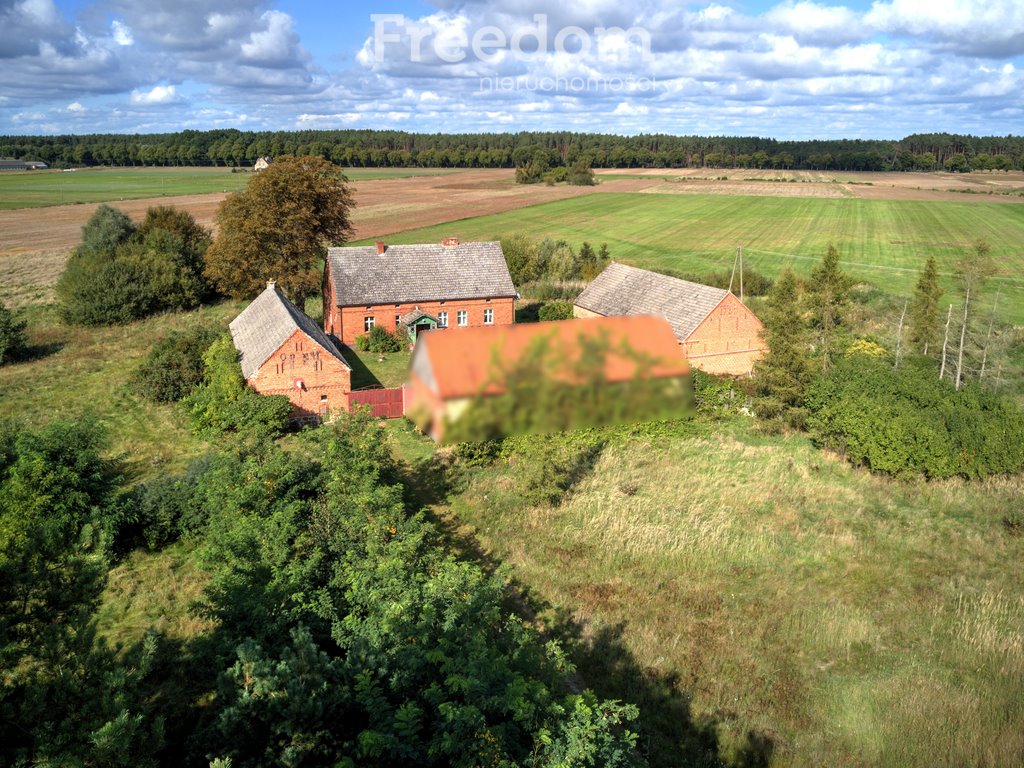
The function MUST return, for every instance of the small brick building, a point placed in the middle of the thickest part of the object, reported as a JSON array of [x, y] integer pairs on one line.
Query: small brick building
[[716, 331], [458, 284], [283, 352]]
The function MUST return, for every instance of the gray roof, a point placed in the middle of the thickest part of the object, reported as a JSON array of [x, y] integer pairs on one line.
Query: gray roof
[[267, 323], [417, 314], [622, 290], [428, 272]]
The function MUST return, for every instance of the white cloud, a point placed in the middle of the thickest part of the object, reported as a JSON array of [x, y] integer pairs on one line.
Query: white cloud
[[160, 94], [75, 108], [121, 33]]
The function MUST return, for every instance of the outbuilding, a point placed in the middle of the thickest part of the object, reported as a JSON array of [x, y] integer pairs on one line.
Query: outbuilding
[[283, 352], [715, 329]]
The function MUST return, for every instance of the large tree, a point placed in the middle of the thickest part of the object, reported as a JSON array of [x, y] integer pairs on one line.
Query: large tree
[[925, 316], [279, 228], [828, 297], [973, 269], [784, 373]]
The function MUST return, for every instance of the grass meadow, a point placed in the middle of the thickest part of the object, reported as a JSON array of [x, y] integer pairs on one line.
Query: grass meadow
[[764, 603], [880, 241], [34, 189]]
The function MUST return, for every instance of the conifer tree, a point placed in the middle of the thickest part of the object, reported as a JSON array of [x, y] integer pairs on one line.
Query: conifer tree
[[828, 297], [784, 373], [925, 316]]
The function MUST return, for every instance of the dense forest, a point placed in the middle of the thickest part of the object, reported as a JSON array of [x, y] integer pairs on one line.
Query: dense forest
[[361, 148]]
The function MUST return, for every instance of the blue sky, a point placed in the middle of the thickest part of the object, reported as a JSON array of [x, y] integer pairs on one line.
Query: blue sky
[[791, 69]]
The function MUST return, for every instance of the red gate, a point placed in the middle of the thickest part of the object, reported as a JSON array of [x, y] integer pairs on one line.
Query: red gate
[[384, 403]]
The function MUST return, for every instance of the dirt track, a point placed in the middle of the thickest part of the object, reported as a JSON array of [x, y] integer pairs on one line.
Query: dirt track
[[34, 242]]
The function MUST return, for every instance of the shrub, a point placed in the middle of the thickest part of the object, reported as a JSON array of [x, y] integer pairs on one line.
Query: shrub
[[380, 340], [13, 343], [174, 366], [224, 402], [906, 422], [120, 273], [556, 310]]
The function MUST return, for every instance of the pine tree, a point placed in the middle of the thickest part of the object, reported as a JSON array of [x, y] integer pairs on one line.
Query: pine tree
[[925, 315], [828, 297], [784, 373]]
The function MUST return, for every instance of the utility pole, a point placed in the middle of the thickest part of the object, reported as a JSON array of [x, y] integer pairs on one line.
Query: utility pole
[[741, 273]]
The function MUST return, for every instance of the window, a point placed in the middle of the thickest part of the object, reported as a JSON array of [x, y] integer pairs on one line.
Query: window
[[442, 319], [368, 323], [488, 316], [398, 320], [463, 317]]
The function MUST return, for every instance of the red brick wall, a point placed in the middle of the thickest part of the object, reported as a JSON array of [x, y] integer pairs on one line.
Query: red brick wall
[[351, 323], [322, 374], [728, 341]]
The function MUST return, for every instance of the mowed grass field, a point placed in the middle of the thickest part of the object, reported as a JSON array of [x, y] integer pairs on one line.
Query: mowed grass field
[[880, 241], [766, 604], [34, 189]]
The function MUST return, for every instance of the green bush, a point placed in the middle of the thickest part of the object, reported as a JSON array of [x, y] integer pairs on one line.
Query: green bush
[[174, 366], [119, 273], [381, 340], [225, 403], [13, 343], [556, 310], [906, 422]]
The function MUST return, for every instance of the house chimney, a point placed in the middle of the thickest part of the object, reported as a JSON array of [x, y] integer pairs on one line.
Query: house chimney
[[381, 247], [271, 283], [450, 242]]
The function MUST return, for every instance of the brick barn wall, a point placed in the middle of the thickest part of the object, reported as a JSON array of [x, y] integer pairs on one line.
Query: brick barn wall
[[728, 341], [326, 381], [350, 324]]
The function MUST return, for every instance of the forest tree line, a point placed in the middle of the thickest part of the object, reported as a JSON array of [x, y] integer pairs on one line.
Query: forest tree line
[[399, 149]]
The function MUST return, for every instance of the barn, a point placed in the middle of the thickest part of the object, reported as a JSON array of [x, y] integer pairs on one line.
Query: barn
[[450, 370], [283, 352], [717, 332], [413, 287]]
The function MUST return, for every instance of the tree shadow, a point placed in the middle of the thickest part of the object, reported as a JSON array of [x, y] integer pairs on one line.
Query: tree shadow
[[528, 312], [40, 351], [362, 376], [670, 735]]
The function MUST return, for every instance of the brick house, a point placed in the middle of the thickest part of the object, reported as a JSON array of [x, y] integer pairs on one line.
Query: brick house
[[717, 332], [457, 284], [283, 352], [449, 370]]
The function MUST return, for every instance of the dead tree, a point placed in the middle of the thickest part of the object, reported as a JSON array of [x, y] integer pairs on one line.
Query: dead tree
[[945, 342], [963, 336], [899, 334], [988, 337]]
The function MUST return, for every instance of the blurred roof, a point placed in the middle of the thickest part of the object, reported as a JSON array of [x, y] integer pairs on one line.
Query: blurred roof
[[465, 362]]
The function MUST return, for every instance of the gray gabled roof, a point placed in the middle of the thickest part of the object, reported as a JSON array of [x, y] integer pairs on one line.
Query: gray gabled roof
[[622, 290], [417, 314], [426, 272], [267, 323]]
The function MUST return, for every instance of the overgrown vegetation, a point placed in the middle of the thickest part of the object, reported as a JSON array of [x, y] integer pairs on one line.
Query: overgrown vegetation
[[380, 340], [532, 261], [174, 366], [121, 272], [13, 342]]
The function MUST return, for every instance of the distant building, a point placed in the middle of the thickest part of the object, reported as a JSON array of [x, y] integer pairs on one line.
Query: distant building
[[450, 284], [718, 333], [262, 164], [449, 371], [283, 352], [22, 165]]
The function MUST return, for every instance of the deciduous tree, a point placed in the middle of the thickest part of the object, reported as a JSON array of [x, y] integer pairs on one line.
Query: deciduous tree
[[279, 228]]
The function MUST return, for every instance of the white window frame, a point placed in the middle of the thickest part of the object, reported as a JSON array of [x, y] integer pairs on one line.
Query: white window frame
[[462, 318], [488, 316], [442, 319], [368, 322]]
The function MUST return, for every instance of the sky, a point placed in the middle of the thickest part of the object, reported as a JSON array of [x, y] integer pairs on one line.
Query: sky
[[797, 69]]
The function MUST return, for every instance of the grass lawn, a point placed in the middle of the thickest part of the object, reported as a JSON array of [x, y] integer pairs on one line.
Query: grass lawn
[[33, 189], [764, 603], [883, 242], [88, 370], [371, 370]]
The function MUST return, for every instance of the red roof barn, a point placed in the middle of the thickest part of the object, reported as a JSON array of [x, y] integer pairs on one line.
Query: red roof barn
[[283, 352]]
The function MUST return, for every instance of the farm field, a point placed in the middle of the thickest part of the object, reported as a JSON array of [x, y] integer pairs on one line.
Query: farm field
[[881, 242], [33, 189], [766, 604]]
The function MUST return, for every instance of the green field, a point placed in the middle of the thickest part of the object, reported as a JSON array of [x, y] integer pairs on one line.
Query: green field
[[34, 189], [881, 242]]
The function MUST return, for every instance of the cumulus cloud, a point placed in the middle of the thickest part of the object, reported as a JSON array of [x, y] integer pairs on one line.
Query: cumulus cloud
[[160, 94]]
